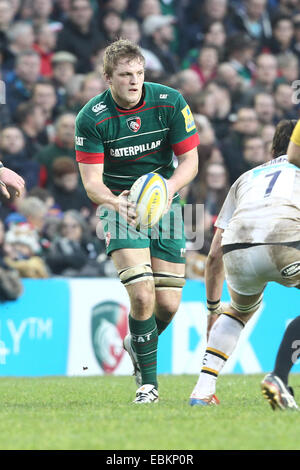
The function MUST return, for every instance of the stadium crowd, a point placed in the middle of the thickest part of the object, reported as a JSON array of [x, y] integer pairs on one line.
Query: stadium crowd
[[236, 62]]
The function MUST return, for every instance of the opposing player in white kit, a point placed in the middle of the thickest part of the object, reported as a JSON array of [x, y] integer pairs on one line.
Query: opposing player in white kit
[[257, 241]]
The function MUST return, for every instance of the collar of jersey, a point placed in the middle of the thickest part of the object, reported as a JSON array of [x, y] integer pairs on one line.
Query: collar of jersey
[[132, 110]]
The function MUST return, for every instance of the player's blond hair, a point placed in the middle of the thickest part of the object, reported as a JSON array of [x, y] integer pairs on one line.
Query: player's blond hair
[[121, 49]]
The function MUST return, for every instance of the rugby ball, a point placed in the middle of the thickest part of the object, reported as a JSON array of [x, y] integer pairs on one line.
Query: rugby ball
[[150, 194]]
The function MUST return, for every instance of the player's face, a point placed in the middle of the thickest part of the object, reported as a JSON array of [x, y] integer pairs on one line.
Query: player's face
[[126, 82]]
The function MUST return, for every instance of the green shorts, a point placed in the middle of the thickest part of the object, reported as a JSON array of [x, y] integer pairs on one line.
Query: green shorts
[[166, 239]]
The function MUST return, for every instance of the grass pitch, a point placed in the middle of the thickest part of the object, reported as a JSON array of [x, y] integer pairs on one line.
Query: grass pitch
[[89, 413]]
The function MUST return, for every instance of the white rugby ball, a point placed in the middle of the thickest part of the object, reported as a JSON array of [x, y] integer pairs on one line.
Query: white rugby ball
[[150, 194]]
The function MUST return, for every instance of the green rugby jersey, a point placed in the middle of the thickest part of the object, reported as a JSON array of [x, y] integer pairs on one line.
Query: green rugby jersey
[[131, 143]]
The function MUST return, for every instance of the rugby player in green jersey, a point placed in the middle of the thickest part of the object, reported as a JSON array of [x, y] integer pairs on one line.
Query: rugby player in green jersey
[[131, 129]]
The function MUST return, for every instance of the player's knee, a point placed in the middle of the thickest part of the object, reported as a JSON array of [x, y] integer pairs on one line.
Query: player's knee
[[142, 299], [167, 306], [245, 312]]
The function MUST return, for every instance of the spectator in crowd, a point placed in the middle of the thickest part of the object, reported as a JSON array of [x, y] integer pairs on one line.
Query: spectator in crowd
[[221, 119], [45, 45], [147, 8], [206, 64], [41, 13], [265, 76], [20, 38], [264, 105], [288, 67], [10, 283], [20, 84], [201, 14], [6, 21], [63, 65], [248, 83], [31, 119], [159, 32], [44, 95], [63, 144], [131, 30], [92, 84], [111, 22], [14, 156], [210, 189], [246, 123], [241, 51], [23, 252], [66, 191], [253, 18], [80, 34], [74, 252], [187, 82], [253, 152], [281, 41]]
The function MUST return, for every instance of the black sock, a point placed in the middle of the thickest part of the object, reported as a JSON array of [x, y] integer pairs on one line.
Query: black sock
[[287, 352]]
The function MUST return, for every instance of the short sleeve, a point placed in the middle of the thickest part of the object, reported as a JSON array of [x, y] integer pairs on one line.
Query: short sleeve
[[88, 141], [183, 131]]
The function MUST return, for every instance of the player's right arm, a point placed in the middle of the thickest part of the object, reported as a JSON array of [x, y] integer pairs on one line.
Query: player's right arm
[[293, 151], [90, 158]]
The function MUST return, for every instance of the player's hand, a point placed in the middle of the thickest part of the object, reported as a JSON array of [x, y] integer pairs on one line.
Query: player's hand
[[127, 209], [10, 179]]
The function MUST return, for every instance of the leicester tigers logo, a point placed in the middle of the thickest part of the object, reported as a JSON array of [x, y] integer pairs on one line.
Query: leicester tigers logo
[[134, 123]]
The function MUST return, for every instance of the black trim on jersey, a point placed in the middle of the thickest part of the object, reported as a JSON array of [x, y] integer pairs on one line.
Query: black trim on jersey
[[242, 246]]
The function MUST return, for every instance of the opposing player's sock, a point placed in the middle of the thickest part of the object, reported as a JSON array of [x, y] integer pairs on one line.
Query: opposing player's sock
[[144, 339], [285, 357], [222, 340]]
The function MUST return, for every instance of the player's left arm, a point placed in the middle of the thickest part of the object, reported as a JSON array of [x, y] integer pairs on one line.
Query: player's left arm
[[185, 172]]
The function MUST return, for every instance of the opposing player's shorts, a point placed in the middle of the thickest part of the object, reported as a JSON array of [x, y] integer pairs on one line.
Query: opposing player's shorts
[[166, 240], [249, 269]]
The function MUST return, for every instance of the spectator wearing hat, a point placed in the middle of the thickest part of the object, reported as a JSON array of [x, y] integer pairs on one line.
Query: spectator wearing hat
[[159, 34], [80, 34], [63, 65], [67, 193]]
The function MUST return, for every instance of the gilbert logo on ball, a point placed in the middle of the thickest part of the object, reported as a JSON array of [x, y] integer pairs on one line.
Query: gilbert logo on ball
[[108, 329], [150, 194]]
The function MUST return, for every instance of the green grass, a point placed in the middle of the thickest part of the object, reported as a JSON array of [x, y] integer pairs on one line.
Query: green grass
[[96, 413]]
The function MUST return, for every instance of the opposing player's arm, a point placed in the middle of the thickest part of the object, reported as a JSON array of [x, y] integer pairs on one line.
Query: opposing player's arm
[[293, 151], [214, 269]]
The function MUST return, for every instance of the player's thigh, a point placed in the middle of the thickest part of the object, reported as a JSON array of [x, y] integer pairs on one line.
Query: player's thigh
[[135, 272], [169, 281]]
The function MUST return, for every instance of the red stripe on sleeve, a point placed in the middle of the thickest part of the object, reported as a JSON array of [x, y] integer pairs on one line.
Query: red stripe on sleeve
[[87, 157], [186, 145]]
